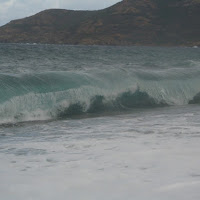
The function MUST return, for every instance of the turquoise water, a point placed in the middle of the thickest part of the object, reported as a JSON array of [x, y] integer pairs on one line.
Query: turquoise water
[[98, 122]]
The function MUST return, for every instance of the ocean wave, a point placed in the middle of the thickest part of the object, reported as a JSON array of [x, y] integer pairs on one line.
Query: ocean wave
[[55, 95]]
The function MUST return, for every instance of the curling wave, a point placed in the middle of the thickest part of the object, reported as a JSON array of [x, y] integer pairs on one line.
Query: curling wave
[[56, 95]]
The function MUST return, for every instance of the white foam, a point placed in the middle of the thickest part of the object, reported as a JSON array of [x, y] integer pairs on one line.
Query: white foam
[[146, 155]]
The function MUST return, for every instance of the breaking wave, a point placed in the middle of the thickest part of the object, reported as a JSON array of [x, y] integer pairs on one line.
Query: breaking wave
[[55, 95]]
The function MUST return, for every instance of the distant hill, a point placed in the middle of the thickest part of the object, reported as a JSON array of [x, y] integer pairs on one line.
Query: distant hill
[[129, 22]]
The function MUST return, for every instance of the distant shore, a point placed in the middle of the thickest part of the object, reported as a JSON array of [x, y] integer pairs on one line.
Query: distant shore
[[127, 23]]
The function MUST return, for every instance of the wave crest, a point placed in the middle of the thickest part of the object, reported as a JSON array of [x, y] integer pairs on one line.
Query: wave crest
[[56, 95]]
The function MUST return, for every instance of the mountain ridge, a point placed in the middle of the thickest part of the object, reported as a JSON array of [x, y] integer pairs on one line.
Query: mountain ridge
[[129, 22]]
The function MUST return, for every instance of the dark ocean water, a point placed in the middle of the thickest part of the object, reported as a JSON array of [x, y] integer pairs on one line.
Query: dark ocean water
[[98, 122]]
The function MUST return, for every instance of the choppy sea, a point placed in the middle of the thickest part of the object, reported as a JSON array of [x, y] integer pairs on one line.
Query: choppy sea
[[99, 122]]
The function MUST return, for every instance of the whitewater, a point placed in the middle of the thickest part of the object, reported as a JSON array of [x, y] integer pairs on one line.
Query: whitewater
[[99, 122]]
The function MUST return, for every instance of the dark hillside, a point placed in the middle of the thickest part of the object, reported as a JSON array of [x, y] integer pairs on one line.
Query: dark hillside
[[130, 22]]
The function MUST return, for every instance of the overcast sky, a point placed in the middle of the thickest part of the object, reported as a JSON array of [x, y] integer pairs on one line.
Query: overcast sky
[[15, 9]]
